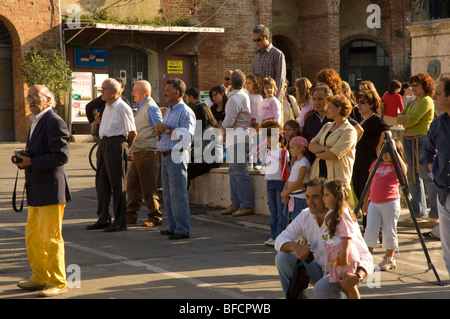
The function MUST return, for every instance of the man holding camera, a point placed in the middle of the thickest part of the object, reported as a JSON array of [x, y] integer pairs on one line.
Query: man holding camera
[[310, 224], [46, 152]]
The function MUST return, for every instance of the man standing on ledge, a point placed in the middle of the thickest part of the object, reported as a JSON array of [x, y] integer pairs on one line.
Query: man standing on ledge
[[116, 128], [268, 60], [175, 136], [47, 194]]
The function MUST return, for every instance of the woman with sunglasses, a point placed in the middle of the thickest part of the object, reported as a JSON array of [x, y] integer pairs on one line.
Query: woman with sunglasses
[[369, 146], [416, 118]]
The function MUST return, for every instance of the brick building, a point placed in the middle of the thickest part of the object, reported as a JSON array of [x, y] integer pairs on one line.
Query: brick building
[[361, 41]]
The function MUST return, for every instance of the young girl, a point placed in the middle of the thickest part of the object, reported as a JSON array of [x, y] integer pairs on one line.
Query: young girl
[[291, 130], [383, 210], [276, 175], [270, 105], [293, 195], [252, 86], [341, 227], [303, 96]]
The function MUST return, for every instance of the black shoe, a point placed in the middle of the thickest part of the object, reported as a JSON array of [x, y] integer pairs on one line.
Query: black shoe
[[178, 236], [97, 225], [165, 232], [114, 228]]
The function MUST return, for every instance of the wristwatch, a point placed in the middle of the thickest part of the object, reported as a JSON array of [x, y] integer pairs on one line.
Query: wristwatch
[[359, 277], [167, 131]]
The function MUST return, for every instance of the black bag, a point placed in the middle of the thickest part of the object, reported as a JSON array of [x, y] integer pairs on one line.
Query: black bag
[[18, 210], [299, 281]]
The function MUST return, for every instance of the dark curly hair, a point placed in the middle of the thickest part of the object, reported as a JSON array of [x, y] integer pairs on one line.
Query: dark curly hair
[[331, 78], [426, 81]]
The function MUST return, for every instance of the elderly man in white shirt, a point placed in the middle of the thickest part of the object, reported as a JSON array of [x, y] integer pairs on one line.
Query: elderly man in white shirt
[[237, 122], [310, 224]]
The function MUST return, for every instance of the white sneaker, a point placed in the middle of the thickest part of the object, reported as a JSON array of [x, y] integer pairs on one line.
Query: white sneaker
[[270, 242], [388, 263], [257, 167]]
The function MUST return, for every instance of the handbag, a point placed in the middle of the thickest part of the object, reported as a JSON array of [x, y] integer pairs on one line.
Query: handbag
[[299, 281]]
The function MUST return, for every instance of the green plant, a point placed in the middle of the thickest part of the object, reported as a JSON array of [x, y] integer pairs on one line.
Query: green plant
[[49, 70]]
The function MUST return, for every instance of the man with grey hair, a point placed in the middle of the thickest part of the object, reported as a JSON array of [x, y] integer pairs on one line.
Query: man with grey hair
[[237, 122], [117, 133], [143, 175], [47, 194], [268, 60]]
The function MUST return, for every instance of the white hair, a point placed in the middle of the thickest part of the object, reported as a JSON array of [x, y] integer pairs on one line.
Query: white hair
[[113, 84], [146, 85]]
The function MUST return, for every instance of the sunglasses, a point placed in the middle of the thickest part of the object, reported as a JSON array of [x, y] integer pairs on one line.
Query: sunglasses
[[227, 79], [257, 40], [361, 102], [415, 84]]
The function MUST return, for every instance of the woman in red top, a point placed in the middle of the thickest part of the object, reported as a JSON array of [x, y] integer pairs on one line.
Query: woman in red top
[[393, 103]]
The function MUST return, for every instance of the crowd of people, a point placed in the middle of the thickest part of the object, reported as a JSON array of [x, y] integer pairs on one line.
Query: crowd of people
[[316, 148]]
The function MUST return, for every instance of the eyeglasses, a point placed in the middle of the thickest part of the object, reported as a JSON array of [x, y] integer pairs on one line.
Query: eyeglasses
[[361, 102], [257, 40], [415, 84], [227, 79], [35, 96]]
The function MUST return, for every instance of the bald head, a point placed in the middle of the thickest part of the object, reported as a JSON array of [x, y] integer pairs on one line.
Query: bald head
[[141, 90], [39, 98]]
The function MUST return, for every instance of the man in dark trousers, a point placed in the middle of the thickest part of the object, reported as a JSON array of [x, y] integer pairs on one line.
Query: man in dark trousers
[[47, 193], [117, 133]]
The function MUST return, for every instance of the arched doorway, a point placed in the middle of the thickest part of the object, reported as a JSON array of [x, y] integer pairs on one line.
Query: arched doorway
[[133, 62], [285, 45], [363, 60], [6, 87]]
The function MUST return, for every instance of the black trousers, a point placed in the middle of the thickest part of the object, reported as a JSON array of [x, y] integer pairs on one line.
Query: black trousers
[[110, 178]]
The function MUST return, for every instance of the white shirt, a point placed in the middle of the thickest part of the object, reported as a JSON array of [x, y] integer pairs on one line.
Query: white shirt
[[117, 119], [294, 175], [35, 119], [306, 225]]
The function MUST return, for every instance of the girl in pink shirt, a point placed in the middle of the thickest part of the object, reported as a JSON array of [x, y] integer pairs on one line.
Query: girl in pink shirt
[[270, 105], [382, 207]]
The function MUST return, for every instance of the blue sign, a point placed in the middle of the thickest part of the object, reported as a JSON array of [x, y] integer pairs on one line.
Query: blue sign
[[91, 57]]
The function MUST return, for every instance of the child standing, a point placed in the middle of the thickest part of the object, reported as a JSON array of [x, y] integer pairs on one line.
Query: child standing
[[291, 130], [293, 195], [276, 175], [341, 227], [270, 105], [383, 210], [252, 86]]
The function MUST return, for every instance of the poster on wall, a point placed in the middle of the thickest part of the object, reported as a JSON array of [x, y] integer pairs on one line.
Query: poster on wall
[[81, 95]]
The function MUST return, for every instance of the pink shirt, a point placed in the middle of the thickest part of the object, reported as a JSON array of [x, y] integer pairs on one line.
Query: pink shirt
[[271, 109], [385, 184]]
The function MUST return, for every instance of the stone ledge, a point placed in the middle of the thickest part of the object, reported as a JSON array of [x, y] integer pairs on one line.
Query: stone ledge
[[213, 189], [82, 138]]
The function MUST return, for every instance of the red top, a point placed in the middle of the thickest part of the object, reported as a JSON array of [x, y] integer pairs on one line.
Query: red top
[[393, 104], [385, 184]]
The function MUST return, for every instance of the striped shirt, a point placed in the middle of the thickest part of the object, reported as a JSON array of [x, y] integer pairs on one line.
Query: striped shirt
[[271, 62], [181, 118]]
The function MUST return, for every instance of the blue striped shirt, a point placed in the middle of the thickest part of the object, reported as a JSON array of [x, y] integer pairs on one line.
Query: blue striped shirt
[[181, 118]]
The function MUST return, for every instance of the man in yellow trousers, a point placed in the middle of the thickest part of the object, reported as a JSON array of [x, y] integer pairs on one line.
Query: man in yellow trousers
[[47, 150]]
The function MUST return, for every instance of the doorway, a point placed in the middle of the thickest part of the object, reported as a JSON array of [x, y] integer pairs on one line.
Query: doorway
[[6, 89], [129, 64], [363, 60]]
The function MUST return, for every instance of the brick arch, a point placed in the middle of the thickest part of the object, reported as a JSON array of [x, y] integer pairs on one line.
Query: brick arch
[[356, 37], [290, 49]]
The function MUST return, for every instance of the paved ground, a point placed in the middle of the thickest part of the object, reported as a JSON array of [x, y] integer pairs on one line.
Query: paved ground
[[224, 259]]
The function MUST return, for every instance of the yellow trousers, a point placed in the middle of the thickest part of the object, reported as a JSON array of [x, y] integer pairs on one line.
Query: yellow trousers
[[45, 245]]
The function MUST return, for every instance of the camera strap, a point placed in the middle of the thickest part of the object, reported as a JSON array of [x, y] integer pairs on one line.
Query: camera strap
[[18, 210]]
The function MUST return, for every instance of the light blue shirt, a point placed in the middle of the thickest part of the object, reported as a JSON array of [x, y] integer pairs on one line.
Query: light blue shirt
[[181, 118], [154, 113]]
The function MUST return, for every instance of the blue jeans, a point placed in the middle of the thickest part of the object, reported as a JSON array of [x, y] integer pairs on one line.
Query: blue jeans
[[444, 229], [419, 180], [278, 218], [174, 183], [323, 289], [240, 187]]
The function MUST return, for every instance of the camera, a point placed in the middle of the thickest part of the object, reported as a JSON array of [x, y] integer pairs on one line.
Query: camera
[[16, 159], [309, 258]]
